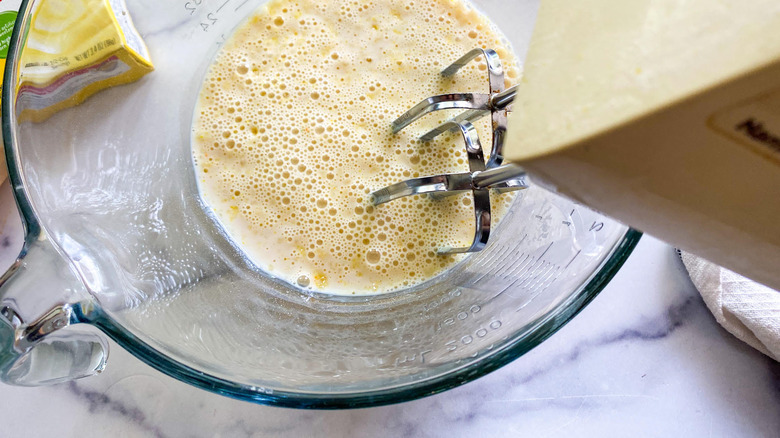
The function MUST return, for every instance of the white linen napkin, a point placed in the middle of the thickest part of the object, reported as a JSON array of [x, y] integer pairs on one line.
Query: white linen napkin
[[748, 310]]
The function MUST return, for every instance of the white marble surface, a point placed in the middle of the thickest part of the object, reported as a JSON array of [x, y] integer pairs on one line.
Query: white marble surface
[[644, 359]]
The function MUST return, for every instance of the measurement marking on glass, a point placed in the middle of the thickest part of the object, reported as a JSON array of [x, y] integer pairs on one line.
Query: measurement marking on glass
[[549, 278], [571, 216], [551, 275], [572, 259], [518, 282], [473, 336], [539, 276], [241, 5], [529, 280], [520, 266], [539, 258], [529, 266], [540, 282], [517, 255], [597, 226], [545, 251], [523, 239], [545, 209], [499, 254], [223, 5], [407, 359], [483, 263]]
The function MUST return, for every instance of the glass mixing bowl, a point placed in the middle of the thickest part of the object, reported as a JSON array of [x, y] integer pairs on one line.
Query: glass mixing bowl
[[118, 239]]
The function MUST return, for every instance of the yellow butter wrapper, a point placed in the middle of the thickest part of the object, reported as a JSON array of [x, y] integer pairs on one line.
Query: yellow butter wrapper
[[76, 48]]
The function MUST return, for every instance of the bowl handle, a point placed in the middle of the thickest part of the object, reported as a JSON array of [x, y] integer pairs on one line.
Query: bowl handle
[[42, 302]]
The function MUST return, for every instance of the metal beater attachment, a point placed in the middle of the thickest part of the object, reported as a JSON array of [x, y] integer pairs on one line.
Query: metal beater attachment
[[482, 176]]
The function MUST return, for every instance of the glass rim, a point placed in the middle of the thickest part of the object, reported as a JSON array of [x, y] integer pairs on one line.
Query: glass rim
[[539, 330]]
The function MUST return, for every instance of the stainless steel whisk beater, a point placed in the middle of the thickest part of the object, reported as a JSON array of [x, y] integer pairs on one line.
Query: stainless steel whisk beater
[[482, 176]]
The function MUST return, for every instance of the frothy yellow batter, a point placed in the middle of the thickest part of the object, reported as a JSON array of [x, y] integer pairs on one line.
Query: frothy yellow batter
[[292, 133]]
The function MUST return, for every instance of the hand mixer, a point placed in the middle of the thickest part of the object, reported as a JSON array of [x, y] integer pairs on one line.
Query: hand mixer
[[482, 176], [644, 120]]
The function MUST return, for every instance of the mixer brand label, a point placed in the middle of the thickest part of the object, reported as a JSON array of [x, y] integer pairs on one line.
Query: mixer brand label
[[756, 131], [754, 123]]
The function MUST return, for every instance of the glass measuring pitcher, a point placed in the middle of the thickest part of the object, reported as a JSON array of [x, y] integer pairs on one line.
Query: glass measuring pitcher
[[118, 238]]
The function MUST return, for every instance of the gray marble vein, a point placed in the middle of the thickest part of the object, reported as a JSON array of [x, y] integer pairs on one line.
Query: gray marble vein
[[98, 401], [657, 328]]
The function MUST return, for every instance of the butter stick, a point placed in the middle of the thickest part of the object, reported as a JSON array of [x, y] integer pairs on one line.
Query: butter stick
[[74, 49], [664, 115]]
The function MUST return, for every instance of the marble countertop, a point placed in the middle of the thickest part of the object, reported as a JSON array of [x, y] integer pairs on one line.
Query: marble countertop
[[646, 358]]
